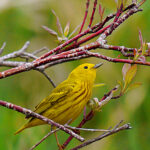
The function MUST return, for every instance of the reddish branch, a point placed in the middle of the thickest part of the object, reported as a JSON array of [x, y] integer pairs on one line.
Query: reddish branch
[[92, 16], [128, 14], [105, 31], [81, 51], [116, 60], [85, 16], [33, 114]]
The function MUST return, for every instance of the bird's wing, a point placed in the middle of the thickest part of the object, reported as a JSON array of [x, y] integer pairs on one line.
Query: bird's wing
[[58, 94]]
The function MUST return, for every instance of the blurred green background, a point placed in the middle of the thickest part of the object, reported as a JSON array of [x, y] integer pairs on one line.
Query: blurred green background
[[20, 21]]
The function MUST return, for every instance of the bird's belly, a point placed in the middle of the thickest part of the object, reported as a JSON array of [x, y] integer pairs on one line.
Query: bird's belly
[[70, 113], [68, 116], [66, 111]]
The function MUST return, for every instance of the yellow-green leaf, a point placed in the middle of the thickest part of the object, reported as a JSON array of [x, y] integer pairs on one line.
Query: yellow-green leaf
[[136, 56], [144, 48], [66, 30], [58, 23], [134, 85], [75, 30], [130, 74], [141, 39], [120, 83], [98, 85], [52, 32], [125, 69]]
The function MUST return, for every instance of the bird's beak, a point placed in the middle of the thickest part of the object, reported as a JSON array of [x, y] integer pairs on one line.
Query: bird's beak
[[98, 65]]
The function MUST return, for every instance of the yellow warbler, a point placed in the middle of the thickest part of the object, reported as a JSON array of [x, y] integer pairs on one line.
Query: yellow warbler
[[68, 99]]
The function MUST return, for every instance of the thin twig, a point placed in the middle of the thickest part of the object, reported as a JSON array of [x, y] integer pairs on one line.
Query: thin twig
[[117, 125], [40, 50], [114, 130], [2, 48], [74, 31], [49, 79], [45, 137], [93, 12], [116, 60], [86, 129], [69, 127], [28, 55], [11, 63], [85, 16], [16, 53]]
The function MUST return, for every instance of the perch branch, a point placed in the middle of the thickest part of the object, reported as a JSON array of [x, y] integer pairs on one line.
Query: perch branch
[[35, 115]]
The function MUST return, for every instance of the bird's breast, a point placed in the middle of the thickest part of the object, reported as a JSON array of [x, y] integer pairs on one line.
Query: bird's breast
[[74, 104]]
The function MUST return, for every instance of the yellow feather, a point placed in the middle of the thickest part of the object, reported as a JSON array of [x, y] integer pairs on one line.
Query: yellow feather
[[68, 99], [21, 129]]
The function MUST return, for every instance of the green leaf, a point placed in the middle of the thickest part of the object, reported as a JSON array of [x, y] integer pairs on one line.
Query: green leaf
[[130, 74], [125, 69], [75, 30], [66, 30], [98, 85], [136, 56], [58, 23], [52, 32], [145, 47], [134, 85], [141, 39], [121, 84]]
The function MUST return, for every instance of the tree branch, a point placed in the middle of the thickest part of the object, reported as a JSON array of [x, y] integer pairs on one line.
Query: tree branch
[[113, 131], [35, 115], [76, 53]]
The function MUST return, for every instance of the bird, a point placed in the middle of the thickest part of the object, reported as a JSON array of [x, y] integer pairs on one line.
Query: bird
[[68, 99]]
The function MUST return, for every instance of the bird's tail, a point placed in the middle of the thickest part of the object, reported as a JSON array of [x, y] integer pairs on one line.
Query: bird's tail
[[21, 129], [30, 123]]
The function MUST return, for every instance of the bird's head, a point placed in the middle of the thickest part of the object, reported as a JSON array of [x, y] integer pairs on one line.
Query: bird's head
[[85, 71]]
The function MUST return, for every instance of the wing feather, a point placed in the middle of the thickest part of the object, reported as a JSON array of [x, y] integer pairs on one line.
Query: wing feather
[[58, 94]]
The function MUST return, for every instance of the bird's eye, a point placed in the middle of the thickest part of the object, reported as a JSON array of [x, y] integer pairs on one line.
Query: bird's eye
[[85, 67]]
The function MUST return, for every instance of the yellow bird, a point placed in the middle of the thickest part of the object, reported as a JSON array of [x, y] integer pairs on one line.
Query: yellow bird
[[68, 99]]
